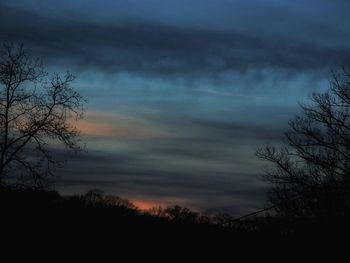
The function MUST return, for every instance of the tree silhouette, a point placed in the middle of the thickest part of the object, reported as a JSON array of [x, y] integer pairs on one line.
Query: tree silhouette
[[311, 175], [180, 214], [36, 110]]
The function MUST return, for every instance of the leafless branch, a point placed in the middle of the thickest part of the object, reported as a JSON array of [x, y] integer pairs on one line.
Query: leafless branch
[[35, 108]]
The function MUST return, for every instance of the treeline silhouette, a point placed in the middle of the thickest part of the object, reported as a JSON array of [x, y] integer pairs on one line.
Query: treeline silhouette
[[96, 212]]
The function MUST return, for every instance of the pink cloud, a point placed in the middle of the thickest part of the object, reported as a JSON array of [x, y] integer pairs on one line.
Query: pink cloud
[[119, 126]]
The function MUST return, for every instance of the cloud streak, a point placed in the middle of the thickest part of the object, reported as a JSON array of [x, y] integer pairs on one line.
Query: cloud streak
[[208, 165]]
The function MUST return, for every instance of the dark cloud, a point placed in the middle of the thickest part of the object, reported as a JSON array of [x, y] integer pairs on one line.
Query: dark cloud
[[149, 48]]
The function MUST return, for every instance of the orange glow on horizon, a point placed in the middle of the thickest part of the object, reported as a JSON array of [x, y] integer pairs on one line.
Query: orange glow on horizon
[[146, 205]]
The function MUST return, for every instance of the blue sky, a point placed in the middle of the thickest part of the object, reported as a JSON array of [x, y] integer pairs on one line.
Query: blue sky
[[182, 93]]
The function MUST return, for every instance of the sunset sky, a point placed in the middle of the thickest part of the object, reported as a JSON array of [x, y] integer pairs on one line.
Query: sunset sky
[[181, 93]]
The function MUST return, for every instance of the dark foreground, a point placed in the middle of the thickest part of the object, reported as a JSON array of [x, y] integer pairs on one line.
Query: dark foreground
[[93, 220]]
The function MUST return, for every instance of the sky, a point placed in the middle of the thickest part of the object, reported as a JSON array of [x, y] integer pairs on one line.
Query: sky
[[182, 93]]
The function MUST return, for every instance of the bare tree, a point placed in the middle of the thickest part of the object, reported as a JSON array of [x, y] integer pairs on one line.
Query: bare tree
[[36, 110], [311, 174]]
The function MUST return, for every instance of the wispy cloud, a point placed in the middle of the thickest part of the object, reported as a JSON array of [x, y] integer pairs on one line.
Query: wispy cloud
[[117, 127]]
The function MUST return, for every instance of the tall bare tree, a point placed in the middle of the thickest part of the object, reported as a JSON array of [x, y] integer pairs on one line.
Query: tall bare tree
[[36, 111], [311, 174]]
